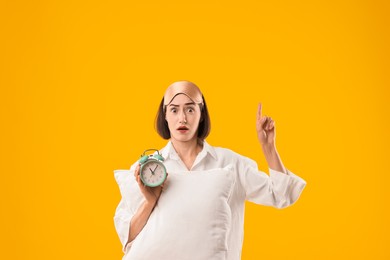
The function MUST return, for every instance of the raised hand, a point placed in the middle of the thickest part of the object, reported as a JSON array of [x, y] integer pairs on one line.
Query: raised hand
[[265, 128]]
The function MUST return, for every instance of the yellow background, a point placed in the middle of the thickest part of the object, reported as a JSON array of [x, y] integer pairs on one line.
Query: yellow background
[[81, 82]]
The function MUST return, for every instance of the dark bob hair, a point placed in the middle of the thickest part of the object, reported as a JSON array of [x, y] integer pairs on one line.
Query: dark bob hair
[[203, 128]]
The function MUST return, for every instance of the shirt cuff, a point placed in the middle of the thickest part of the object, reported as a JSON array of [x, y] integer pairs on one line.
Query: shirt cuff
[[289, 185]]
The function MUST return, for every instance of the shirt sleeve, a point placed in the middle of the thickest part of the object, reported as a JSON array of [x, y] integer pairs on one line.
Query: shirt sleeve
[[278, 189], [128, 205]]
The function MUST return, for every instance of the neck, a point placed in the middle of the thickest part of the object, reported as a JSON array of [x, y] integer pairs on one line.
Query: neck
[[187, 149]]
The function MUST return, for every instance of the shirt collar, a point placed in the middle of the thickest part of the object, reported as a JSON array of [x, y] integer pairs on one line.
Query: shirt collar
[[168, 152]]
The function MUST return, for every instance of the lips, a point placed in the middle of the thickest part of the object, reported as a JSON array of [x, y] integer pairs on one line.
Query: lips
[[182, 128]]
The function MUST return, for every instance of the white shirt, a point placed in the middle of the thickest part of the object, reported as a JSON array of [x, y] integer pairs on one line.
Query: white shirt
[[277, 190]]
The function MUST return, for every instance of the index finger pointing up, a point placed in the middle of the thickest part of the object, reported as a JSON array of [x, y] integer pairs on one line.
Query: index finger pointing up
[[259, 111]]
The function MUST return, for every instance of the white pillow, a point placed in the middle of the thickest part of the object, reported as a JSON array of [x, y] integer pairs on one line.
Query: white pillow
[[191, 220]]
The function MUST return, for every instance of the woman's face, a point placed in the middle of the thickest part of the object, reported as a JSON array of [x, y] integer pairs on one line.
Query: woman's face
[[183, 116]]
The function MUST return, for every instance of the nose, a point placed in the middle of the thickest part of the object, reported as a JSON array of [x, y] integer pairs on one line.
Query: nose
[[182, 117]]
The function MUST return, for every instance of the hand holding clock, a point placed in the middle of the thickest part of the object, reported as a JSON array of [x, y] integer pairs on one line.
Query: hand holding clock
[[151, 194]]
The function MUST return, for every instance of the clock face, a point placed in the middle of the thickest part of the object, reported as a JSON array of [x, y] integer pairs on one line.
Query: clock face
[[153, 173]]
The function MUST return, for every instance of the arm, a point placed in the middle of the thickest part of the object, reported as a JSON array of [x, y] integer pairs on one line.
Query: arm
[[273, 159], [282, 188], [143, 213], [140, 219]]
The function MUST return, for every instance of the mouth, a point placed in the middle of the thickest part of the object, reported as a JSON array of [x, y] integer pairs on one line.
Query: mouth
[[182, 128]]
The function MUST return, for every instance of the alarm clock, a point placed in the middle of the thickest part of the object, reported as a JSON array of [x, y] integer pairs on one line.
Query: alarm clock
[[152, 170]]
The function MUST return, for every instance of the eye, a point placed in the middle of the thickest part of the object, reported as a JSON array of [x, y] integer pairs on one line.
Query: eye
[[190, 110], [173, 110]]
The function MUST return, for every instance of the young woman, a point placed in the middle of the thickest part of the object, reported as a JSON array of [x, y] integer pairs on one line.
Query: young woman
[[198, 212]]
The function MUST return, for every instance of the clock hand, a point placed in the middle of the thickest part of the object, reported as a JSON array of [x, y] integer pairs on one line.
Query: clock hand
[[155, 168], [151, 171]]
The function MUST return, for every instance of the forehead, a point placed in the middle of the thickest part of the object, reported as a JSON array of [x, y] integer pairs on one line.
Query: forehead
[[181, 99]]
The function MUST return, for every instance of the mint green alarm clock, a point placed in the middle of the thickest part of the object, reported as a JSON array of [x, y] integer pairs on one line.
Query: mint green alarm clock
[[152, 172]]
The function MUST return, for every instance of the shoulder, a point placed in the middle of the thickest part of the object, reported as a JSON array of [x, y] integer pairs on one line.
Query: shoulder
[[222, 152], [226, 154]]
